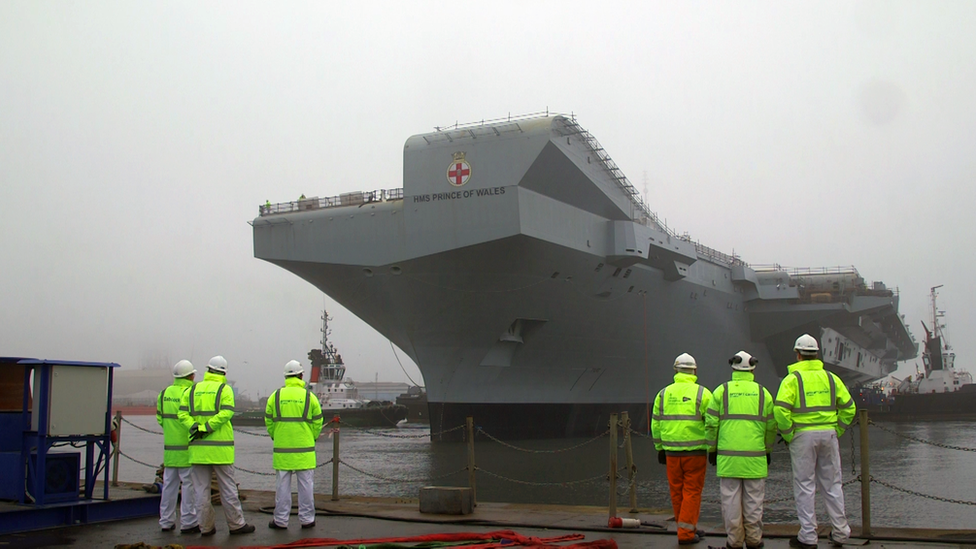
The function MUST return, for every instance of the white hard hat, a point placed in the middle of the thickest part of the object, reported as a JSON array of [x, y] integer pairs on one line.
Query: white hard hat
[[806, 345], [183, 368], [293, 368], [685, 362], [743, 361], [218, 363]]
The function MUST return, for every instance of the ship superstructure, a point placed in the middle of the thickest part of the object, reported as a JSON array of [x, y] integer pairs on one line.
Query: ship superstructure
[[522, 272], [327, 380], [941, 375]]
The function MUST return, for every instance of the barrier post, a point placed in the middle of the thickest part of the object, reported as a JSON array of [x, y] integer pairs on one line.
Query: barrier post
[[469, 423], [613, 465], [865, 476], [335, 459], [631, 470], [115, 451]]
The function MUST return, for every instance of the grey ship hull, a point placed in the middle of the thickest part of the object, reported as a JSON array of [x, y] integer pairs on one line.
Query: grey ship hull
[[540, 296]]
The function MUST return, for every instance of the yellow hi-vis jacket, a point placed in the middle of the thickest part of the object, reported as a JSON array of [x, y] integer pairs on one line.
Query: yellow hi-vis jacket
[[294, 420], [176, 452], [677, 423], [210, 405], [740, 426], [812, 399]]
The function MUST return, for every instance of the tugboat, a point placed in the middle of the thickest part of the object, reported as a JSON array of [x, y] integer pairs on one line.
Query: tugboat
[[339, 397], [940, 392]]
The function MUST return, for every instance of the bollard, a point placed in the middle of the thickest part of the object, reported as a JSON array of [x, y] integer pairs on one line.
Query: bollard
[[335, 459], [631, 470], [115, 451], [865, 477], [469, 423], [613, 465]]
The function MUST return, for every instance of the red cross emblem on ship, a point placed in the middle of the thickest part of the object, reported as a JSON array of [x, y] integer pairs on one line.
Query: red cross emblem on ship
[[459, 172]]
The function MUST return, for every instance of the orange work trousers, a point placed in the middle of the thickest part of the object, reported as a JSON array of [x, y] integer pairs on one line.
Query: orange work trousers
[[686, 476]]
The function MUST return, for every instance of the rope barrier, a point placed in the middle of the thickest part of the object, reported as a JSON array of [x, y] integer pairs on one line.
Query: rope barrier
[[388, 435], [452, 429], [130, 458], [512, 446], [921, 441], [141, 428], [920, 494], [253, 434], [401, 480], [630, 486], [640, 434]]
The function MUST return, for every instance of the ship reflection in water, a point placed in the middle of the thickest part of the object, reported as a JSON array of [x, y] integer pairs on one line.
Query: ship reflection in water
[[894, 459]]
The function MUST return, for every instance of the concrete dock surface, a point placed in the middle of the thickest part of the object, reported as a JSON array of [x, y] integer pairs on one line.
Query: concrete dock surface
[[368, 517]]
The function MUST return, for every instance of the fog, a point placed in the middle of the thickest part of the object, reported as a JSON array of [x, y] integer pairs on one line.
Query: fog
[[138, 139]]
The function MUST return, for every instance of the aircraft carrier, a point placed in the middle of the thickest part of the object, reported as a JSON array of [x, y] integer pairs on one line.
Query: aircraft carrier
[[522, 272]]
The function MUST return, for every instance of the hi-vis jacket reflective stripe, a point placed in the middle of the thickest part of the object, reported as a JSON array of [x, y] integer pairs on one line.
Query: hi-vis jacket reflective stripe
[[677, 419], [294, 420], [176, 453], [739, 424], [210, 405], [812, 399]]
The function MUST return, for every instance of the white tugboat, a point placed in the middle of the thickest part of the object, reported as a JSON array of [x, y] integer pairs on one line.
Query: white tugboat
[[338, 397], [939, 392]]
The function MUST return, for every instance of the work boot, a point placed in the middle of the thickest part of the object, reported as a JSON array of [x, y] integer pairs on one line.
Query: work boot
[[691, 541], [195, 529], [246, 529], [795, 542], [275, 526]]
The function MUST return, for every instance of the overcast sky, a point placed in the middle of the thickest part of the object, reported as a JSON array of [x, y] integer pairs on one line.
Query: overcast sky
[[137, 140]]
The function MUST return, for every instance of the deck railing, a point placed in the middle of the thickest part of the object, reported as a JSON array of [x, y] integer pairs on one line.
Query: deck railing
[[357, 198]]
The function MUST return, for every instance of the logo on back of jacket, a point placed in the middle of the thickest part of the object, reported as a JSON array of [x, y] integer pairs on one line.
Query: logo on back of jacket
[[672, 399]]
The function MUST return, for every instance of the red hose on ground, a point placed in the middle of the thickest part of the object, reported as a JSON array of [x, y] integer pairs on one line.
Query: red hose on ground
[[497, 539]]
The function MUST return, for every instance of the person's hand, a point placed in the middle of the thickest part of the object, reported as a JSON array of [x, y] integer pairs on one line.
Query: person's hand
[[196, 432], [769, 458], [662, 458], [713, 458]]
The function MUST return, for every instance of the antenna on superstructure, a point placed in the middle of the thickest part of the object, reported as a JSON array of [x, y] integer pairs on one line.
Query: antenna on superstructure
[[937, 325], [645, 187], [326, 331]]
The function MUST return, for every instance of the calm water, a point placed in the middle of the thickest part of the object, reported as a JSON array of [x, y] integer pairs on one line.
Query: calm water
[[409, 462]]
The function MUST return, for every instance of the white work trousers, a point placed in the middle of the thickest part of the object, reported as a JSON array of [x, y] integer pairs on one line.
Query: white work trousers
[[172, 477], [742, 510], [816, 463], [229, 498], [306, 498]]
